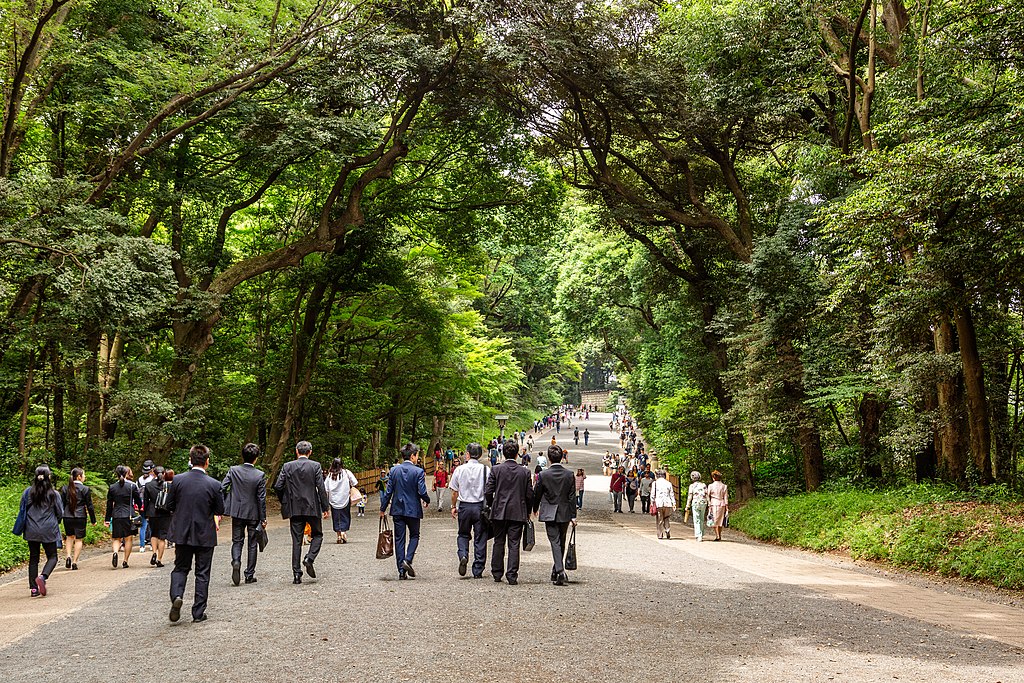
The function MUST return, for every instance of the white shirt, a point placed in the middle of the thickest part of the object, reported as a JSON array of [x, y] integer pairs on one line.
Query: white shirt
[[468, 481], [338, 490], [662, 494]]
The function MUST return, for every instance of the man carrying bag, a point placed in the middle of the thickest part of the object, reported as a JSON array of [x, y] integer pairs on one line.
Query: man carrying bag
[[554, 498], [509, 496]]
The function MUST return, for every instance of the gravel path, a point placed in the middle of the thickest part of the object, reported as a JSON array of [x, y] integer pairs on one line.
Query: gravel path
[[638, 609]]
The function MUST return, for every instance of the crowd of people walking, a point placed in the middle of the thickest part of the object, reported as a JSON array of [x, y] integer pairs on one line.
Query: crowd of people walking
[[494, 506]]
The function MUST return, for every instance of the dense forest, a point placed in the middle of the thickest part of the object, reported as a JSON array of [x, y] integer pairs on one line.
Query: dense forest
[[793, 233]]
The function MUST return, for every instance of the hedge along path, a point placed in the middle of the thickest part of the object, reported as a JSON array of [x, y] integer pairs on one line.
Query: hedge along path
[[955, 613]]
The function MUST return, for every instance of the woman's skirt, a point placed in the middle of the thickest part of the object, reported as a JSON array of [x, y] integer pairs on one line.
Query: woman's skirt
[[342, 518], [717, 514], [75, 526], [121, 527], [159, 526]]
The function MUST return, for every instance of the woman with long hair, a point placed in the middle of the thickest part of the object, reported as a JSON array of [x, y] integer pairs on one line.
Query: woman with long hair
[[159, 518], [123, 502], [339, 482], [77, 500], [43, 511]]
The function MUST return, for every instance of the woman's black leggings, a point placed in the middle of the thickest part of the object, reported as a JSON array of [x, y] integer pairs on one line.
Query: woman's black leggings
[[33, 560]]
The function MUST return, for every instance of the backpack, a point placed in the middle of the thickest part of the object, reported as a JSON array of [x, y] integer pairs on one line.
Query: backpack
[[160, 502]]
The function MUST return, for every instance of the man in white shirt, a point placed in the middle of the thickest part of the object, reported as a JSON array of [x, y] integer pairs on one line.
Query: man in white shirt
[[147, 476], [467, 485]]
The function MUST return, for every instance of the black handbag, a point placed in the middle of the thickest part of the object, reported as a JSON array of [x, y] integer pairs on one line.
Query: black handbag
[[262, 538], [570, 552], [529, 536], [485, 514]]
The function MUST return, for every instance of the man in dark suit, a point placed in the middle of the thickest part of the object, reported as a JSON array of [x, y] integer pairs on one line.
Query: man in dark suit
[[407, 486], [508, 492], [300, 488], [245, 501], [194, 499], [555, 498]]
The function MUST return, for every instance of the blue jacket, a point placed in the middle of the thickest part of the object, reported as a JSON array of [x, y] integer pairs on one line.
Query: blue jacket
[[407, 486]]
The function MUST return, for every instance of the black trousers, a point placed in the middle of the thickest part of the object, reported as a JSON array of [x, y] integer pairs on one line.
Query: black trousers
[[183, 556], [242, 529], [470, 523], [557, 531], [298, 528], [506, 533], [34, 548]]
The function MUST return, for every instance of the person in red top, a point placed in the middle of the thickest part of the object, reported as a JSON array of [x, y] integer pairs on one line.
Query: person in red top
[[440, 484], [618, 483]]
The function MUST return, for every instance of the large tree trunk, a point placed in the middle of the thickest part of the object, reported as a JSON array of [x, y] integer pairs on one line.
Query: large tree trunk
[[1001, 372], [807, 436], [59, 447], [436, 432], [980, 429], [950, 439], [869, 413]]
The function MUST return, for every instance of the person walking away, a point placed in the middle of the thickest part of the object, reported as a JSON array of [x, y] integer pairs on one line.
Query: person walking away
[[576, 436], [646, 482], [76, 498], [123, 500], [147, 476], [40, 512], [665, 501], [159, 519], [618, 482], [361, 505], [300, 488], [407, 486], [631, 488], [581, 477], [697, 503], [245, 500], [529, 443], [195, 500], [440, 484], [553, 501], [718, 501], [339, 483], [509, 492], [586, 434], [467, 484]]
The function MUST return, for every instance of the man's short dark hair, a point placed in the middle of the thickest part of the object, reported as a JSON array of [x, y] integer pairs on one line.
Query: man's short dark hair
[[250, 452], [510, 449], [475, 450], [303, 448], [199, 455], [555, 453], [409, 450]]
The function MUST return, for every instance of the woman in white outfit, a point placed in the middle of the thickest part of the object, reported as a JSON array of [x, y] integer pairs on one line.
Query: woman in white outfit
[[663, 496], [697, 502], [339, 483]]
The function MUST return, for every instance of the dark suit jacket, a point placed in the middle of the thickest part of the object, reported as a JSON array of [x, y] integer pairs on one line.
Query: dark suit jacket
[[245, 493], [122, 499], [555, 494], [509, 492], [300, 486], [407, 486], [194, 499]]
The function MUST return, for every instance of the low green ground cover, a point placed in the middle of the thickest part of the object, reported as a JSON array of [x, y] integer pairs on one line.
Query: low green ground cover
[[13, 549], [975, 535]]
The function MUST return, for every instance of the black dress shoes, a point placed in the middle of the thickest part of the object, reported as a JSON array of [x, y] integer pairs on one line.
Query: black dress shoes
[[236, 572], [562, 579], [175, 609], [463, 563], [297, 579], [198, 620], [408, 569], [513, 582], [308, 564], [250, 579]]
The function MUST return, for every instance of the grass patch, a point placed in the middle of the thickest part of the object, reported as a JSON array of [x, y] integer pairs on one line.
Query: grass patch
[[924, 527], [13, 549]]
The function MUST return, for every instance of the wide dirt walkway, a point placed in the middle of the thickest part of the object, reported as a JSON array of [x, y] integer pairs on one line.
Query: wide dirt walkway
[[638, 609]]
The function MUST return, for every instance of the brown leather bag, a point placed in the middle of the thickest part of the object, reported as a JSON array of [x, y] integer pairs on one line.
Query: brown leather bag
[[385, 540]]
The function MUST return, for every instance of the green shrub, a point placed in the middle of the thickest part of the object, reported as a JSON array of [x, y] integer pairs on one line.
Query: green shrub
[[927, 527]]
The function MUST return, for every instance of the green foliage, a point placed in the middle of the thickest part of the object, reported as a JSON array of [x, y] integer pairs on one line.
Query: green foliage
[[929, 528]]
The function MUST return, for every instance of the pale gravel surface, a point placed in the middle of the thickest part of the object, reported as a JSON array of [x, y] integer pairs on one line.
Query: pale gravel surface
[[638, 609]]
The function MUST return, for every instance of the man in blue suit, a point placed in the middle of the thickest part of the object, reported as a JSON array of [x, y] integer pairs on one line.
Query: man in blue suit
[[406, 484]]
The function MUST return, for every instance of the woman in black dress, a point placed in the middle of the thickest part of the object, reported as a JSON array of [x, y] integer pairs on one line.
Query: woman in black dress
[[159, 519], [123, 501], [77, 498]]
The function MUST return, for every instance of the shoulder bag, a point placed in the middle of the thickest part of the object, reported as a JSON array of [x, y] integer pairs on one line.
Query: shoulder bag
[[485, 512], [385, 540], [160, 502]]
